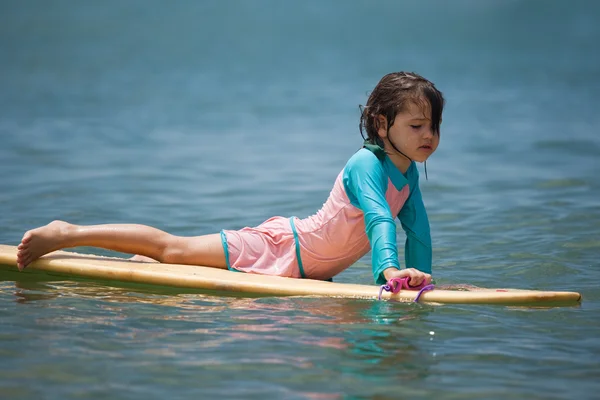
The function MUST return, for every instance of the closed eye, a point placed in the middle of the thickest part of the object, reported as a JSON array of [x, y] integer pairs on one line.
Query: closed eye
[[416, 126]]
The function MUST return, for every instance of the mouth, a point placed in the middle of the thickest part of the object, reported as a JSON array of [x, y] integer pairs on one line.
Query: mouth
[[426, 147]]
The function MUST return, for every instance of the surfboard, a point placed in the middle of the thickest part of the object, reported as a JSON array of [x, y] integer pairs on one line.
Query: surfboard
[[89, 266]]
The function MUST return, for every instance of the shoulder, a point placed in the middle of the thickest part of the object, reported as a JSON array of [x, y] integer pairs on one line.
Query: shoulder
[[364, 160], [363, 173], [364, 177]]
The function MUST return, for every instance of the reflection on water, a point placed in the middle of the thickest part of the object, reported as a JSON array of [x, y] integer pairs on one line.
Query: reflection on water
[[189, 330]]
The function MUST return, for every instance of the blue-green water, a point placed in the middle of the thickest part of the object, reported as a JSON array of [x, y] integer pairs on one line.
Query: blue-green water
[[196, 116]]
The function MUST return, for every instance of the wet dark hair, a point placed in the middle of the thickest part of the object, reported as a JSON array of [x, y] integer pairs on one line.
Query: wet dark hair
[[391, 96]]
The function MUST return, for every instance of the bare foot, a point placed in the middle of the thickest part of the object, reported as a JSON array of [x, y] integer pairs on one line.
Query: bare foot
[[40, 241], [140, 258]]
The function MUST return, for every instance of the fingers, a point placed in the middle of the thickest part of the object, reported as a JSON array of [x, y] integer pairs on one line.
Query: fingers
[[427, 278], [417, 277]]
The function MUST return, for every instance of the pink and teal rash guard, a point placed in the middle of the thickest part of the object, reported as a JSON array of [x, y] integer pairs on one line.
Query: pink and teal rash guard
[[359, 216]]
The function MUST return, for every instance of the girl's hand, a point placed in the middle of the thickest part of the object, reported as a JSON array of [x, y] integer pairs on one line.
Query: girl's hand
[[416, 277]]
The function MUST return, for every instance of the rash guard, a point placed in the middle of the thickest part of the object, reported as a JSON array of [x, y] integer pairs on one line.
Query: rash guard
[[358, 216], [367, 176]]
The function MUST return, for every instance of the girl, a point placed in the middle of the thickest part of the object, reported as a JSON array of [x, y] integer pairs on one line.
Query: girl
[[402, 122]]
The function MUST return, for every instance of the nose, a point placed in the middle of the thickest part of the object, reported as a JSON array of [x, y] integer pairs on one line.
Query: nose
[[428, 134]]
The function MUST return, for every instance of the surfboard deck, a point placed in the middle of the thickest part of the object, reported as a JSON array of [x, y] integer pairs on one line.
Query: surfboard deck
[[198, 277]]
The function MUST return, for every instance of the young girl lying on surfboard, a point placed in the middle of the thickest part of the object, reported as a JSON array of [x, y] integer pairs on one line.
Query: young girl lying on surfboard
[[379, 182]]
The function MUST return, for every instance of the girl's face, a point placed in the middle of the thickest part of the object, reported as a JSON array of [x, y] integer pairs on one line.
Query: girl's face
[[411, 134]]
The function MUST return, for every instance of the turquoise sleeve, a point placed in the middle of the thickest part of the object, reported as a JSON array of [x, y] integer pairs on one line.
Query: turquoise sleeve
[[365, 182], [413, 217]]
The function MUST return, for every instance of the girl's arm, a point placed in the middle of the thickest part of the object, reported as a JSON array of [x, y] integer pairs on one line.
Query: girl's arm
[[365, 182], [413, 217]]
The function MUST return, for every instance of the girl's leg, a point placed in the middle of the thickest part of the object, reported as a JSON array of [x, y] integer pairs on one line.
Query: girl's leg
[[134, 239]]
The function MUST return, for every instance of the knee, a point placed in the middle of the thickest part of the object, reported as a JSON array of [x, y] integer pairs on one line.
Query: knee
[[173, 251]]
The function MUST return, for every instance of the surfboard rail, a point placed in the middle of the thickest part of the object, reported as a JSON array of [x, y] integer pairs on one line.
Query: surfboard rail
[[197, 277]]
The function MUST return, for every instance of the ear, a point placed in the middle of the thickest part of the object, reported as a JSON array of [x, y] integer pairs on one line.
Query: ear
[[382, 126]]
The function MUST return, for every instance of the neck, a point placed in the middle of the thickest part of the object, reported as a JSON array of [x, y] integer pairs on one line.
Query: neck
[[401, 162]]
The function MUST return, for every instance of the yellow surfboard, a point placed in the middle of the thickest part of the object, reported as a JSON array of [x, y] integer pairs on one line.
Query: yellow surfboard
[[197, 277]]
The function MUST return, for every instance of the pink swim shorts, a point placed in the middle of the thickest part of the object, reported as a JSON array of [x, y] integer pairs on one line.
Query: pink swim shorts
[[268, 249]]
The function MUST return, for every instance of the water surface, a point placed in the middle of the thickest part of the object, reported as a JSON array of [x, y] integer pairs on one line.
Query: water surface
[[198, 116]]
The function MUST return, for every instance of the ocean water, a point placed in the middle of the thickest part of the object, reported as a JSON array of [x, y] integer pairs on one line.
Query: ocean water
[[193, 116]]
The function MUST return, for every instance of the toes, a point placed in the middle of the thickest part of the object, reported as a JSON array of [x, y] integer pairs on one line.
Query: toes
[[25, 262], [27, 237]]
